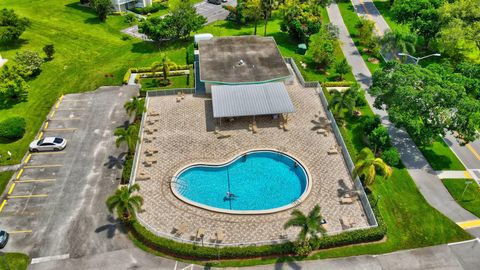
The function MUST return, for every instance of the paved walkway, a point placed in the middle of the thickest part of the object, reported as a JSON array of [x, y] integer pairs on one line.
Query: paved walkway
[[422, 173], [8, 168], [131, 80], [367, 9], [458, 256]]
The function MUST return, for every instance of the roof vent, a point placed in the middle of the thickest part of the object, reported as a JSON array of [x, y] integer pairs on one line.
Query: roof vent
[[241, 63]]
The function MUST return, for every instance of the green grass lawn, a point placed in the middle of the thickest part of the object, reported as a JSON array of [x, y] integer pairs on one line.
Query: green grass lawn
[[470, 200], [441, 157], [4, 179], [350, 18], [11, 261], [176, 82], [87, 50]]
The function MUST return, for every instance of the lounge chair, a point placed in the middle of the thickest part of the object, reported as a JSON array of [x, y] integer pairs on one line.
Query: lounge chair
[[180, 229], [200, 234], [333, 151], [219, 236], [280, 125], [285, 127], [254, 127]]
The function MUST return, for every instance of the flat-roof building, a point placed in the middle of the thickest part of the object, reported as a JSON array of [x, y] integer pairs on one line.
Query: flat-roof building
[[245, 76]]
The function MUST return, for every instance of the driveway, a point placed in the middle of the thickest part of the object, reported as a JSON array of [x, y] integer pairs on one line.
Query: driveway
[[57, 207]]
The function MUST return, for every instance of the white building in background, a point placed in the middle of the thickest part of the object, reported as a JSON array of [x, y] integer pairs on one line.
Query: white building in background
[[122, 5], [2, 61]]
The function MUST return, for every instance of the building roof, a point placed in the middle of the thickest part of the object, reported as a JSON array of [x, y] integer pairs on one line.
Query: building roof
[[247, 100], [241, 60]]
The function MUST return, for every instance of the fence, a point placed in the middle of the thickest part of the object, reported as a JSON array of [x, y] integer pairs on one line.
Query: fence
[[169, 92], [346, 155]]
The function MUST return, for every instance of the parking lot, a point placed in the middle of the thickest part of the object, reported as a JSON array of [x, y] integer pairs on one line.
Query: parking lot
[[56, 204], [214, 12]]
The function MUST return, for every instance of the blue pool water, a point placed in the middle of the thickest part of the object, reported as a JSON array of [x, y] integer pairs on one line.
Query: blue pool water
[[260, 180]]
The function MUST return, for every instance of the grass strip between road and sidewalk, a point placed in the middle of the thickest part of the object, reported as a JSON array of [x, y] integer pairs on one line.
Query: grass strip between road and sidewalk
[[11, 261], [470, 200]]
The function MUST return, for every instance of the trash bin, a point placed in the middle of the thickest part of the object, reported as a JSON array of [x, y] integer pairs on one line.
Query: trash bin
[[302, 48]]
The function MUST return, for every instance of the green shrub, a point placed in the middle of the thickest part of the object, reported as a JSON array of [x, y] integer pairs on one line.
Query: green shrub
[[156, 6], [125, 37], [370, 123], [12, 128], [391, 156], [338, 84], [379, 139], [127, 169], [190, 54], [126, 77]]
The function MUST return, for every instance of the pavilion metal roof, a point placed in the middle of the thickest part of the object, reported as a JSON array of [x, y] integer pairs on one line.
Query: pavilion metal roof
[[251, 99]]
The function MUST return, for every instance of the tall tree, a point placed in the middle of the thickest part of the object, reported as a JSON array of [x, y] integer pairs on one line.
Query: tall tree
[[398, 41], [135, 106], [322, 48], [102, 8], [300, 19], [310, 225], [11, 26], [345, 100], [367, 166], [128, 136], [125, 203], [252, 10], [183, 20], [425, 102], [365, 31], [267, 8]]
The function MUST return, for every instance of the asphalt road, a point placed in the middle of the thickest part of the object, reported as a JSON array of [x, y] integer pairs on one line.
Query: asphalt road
[[214, 12], [57, 207], [469, 154]]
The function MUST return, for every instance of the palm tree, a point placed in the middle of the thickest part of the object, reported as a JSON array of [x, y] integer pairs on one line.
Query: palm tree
[[124, 202], [340, 101], [129, 136], [135, 105], [267, 7], [367, 165], [310, 225]]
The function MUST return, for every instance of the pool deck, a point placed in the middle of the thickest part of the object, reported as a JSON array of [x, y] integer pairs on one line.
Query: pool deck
[[184, 133]]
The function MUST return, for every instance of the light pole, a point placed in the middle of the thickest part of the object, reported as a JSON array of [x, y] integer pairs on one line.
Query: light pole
[[417, 59]]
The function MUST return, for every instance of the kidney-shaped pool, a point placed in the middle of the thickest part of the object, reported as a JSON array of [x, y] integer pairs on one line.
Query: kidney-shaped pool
[[255, 182]]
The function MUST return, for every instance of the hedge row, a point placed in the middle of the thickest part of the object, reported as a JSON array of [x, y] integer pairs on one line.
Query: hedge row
[[159, 74], [337, 84], [171, 66], [127, 168], [190, 251]]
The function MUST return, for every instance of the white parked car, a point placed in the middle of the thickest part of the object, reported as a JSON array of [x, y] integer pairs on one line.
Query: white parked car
[[48, 144]]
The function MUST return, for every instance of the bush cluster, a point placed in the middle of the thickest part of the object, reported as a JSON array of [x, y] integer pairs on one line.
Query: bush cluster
[[190, 55], [12, 128], [172, 67], [156, 6], [379, 140], [126, 77], [338, 84]]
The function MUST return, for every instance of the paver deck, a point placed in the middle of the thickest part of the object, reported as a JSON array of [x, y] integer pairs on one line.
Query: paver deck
[[185, 135]]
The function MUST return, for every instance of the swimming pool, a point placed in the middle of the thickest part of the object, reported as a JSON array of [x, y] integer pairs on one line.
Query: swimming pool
[[255, 182]]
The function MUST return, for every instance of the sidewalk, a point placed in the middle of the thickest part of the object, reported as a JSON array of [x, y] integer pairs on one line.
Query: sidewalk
[[424, 176], [7, 168]]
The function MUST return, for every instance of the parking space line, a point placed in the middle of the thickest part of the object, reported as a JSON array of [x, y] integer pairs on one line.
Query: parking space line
[[73, 100], [48, 153], [28, 158], [42, 166], [53, 114], [27, 196], [2, 205], [64, 119], [22, 231], [12, 187], [40, 135], [36, 180], [19, 174], [46, 125], [60, 129]]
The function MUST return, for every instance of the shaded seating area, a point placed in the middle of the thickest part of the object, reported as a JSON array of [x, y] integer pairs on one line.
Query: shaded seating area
[[250, 100]]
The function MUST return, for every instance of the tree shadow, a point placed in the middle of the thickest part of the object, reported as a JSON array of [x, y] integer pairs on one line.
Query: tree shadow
[[13, 45], [92, 20], [112, 227], [288, 262], [117, 162], [77, 6]]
